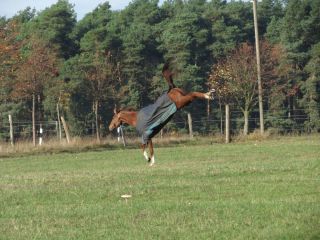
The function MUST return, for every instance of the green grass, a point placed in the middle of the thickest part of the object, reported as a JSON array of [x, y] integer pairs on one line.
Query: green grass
[[253, 190]]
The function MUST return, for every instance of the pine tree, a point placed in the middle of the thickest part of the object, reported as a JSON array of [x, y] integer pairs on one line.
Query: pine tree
[[184, 41], [311, 89], [299, 36], [140, 54], [55, 25]]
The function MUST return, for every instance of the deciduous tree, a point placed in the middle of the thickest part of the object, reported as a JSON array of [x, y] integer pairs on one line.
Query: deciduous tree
[[235, 77], [38, 66]]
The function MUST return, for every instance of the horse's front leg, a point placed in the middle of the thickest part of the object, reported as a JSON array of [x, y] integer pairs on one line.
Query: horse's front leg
[[145, 154], [151, 152]]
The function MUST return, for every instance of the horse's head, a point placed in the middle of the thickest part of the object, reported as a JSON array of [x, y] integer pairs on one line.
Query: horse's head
[[115, 122]]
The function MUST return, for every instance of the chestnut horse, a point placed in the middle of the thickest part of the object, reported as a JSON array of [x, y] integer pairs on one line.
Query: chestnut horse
[[178, 98]]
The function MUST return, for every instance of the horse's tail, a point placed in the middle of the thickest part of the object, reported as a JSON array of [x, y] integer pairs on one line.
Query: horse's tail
[[167, 74]]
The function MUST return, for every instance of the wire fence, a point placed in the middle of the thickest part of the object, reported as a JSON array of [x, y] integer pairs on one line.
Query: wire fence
[[201, 125]]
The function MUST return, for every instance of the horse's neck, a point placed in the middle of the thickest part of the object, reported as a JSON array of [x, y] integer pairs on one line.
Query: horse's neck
[[129, 117]]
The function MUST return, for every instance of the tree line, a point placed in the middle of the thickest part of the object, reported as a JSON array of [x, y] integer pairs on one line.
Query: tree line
[[53, 65]]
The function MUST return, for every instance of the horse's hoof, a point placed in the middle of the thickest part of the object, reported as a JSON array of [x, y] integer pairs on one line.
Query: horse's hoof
[[210, 94], [151, 164]]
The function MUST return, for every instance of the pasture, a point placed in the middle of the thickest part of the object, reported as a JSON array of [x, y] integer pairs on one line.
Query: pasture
[[251, 190]]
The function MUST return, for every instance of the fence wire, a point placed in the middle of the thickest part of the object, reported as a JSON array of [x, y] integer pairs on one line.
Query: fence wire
[[202, 124]]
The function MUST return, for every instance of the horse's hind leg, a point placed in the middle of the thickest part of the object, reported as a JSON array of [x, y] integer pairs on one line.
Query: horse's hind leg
[[184, 100]]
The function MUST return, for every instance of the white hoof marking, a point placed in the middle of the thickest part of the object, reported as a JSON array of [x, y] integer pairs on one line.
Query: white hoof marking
[[152, 161], [145, 154]]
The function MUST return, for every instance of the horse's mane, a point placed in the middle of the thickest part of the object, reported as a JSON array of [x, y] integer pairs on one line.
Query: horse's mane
[[128, 109]]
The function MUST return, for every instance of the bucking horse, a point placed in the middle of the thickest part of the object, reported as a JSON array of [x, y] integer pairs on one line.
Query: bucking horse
[[151, 119]]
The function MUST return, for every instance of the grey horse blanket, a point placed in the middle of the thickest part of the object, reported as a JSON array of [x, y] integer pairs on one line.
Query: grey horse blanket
[[153, 118]]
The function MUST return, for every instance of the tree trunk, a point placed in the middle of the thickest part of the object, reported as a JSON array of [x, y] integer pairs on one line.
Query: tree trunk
[[34, 119], [227, 123], [246, 122], [96, 105]]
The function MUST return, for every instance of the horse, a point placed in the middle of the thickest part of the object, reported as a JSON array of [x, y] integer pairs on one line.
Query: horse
[[151, 119]]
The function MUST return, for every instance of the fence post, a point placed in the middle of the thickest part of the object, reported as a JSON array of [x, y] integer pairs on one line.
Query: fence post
[[227, 123], [40, 134], [122, 136], [119, 133], [11, 130], [190, 125], [59, 123], [65, 129], [57, 130]]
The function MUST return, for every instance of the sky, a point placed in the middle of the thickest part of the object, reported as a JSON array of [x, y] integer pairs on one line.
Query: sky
[[9, 8]]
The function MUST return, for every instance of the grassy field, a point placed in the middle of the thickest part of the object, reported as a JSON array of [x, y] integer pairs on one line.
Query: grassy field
[[253, 190]]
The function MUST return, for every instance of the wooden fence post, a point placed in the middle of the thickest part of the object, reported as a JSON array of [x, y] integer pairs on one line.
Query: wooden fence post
[[122, 136], [11, 130], [59, 123], [57, 129], [190, 125], [65, 127], [227, 123]]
